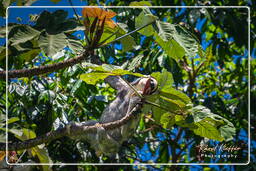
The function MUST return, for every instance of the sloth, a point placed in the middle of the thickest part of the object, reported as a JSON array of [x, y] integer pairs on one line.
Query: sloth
[[108, 142]]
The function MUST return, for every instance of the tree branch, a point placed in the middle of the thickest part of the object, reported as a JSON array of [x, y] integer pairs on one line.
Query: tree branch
[[44, 69], [54, 67], [71, 129]]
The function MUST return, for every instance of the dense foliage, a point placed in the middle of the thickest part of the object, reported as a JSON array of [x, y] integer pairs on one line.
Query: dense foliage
[[199, 57]]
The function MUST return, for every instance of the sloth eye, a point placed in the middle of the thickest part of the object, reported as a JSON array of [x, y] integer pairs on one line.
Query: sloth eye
[[152, 86]]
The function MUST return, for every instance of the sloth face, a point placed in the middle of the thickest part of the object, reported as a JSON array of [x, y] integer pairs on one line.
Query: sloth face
[[146, 86]]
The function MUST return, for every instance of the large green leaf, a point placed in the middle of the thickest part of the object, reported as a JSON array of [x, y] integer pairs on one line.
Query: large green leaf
[[111, 34], [43, 156], [38, 151], [170, 47], [211, 125], [56, 22], [164, 79], [75, 44], [143, 19], [12, 120], [167, 120], [23, 34], [103, 71], [127, 42], [168, 99], [208, 130], [94, 77], [172, 93], [51, 44], [29, 55], [186, 40], [177, 38]]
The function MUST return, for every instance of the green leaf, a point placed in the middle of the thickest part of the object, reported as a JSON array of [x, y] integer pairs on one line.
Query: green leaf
[[227, 131], [167, 120], [43, 157], [136, 61], [23, 34], [13, 119], [51, 44], [108, 32], [164, 105], [208, 130], [94, 77], [127, 42], [2, 53], [172, 93], [29, 55], [76, 45], [208, 122], [171, 48], [164, 79], [140, 3], [143, 19], [24, 134], [103, 71], [185, 39], [16, 132], [165, 30], [168, 99], [2, 138], [176, 40]]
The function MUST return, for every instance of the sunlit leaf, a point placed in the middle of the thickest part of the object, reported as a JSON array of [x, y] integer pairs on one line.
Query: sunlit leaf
[[12, 120], [211, 125], [94, 77], [177, 38], [171, 48], [43, 157], [164, 79], [167, 120], [143, 19], [100, 14], [103, 71]]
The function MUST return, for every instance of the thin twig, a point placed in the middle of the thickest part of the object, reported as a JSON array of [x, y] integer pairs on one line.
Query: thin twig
[[101, 43], [127, 34], [86, 37], [21, 156], [135, 91], [160, 107]]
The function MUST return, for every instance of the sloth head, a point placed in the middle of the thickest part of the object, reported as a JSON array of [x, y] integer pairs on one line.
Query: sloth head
[[146, 85]]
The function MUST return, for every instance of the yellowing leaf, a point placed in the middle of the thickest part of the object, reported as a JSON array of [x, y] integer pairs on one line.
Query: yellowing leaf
[[100, 14], [2, 155]]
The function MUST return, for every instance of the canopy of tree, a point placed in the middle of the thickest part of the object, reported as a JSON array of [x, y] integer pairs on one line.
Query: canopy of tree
[[59, 58]]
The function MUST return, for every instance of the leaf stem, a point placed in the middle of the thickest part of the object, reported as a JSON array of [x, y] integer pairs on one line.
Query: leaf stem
[[86, 37], [157, 105], [127, 34], [136, 92]]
